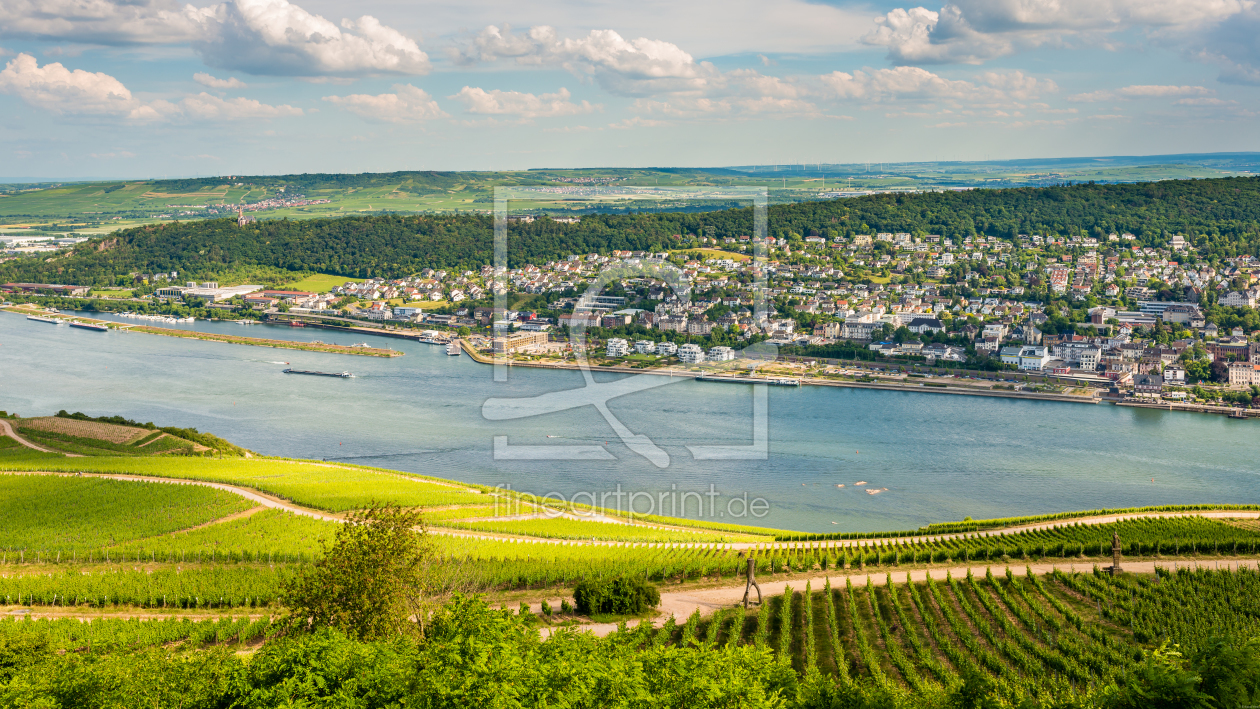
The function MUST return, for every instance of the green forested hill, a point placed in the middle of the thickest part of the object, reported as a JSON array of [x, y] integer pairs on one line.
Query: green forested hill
[[1222, 215]]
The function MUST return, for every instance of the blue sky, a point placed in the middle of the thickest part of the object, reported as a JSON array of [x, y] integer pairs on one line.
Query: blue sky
[[146, 88]]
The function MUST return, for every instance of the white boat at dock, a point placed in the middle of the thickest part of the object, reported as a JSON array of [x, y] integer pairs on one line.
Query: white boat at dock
[[453, 348], [44, 318], [165, 319]]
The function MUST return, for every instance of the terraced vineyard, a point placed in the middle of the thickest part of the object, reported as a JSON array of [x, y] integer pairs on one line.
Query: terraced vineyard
[[93, 438]]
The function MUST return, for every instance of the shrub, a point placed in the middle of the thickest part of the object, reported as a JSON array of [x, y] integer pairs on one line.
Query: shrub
[[620, 595]]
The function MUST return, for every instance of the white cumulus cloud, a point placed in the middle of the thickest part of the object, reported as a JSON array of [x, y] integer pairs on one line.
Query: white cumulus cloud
[[109, 22], [269, 37], [207, 80], [661, 75], [916, 83], [276, 37], [57, 89], [632, 67], [1140, 92], [1234, 47], [973, 31], [407, 104], [516, 103], [204, 107]]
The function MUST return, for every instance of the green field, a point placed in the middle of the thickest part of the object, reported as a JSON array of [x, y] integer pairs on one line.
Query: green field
[[64, 514], [320, 283]]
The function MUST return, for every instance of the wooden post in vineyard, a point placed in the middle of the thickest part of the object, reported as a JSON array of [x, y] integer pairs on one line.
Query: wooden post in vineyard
[[752, 581]]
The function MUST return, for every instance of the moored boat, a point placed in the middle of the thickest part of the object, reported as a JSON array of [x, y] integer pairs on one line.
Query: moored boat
[[453, 348], [97, 327]]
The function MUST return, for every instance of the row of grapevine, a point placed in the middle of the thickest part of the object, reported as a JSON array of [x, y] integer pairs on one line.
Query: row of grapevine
[[1188, 607], [923, 637], [117, 634], [207, 587]]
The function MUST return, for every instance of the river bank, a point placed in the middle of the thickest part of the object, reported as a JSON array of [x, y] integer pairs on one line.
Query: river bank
[[674, 372], [214, 337]]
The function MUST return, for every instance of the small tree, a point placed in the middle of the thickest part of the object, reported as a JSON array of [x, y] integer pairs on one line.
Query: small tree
[[370, 581]]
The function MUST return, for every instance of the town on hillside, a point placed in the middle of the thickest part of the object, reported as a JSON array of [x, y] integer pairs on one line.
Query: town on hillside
[[1155, 322]]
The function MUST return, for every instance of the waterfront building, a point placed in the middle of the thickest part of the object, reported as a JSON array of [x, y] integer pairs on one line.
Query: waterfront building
[[1243, 374], [666, 348], [55, 289], [617, 347], [691, 354], [720, 354], [518, 341], [1034, 358], [644, 346]]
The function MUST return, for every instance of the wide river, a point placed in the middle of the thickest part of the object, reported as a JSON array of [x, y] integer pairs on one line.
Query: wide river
[[940, 457]]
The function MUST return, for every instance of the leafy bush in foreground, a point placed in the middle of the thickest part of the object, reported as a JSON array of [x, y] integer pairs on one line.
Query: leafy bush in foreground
[[622, 595]]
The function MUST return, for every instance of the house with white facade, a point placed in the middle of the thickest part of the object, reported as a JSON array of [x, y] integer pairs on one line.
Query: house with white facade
[[1243, 374], [691, 354], [617, 347], [1034, 358], [1010, 355]]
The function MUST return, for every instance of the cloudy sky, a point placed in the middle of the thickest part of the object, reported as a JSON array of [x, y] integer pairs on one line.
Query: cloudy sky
[[146, 88]]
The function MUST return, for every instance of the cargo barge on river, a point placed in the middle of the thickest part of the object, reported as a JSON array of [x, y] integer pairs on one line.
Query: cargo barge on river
[[343, 375]]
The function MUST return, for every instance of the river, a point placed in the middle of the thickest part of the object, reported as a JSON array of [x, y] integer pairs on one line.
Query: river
[[940, 457]]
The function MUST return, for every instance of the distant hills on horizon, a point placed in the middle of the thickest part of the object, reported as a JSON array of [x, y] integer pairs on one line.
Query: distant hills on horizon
[[1229, 162]]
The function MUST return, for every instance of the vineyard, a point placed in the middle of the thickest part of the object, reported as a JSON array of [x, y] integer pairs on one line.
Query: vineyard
[[198, 587], [116, 635], [563, 528], [67, 514], [522, 564], [969, 525], [278, 537], [335, 488], [1053, 639], [96, 438], [1037, 636], [266, 534]]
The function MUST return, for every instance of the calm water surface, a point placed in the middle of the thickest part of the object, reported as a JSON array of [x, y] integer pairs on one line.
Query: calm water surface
[[940, 457]]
